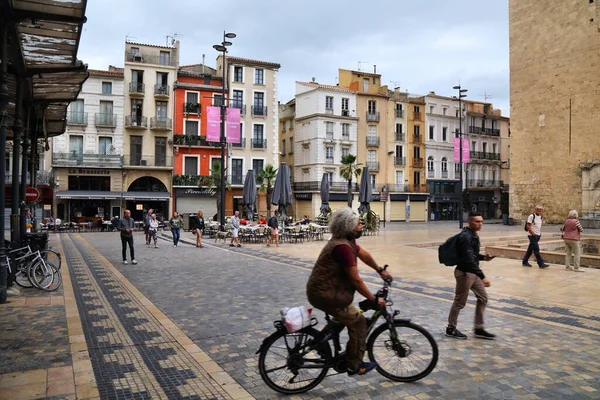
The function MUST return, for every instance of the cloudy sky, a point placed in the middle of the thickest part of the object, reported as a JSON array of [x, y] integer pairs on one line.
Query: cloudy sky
[[420, 46]]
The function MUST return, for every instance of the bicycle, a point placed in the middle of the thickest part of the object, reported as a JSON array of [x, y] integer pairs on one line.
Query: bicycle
[[33, 269], [309, 350]]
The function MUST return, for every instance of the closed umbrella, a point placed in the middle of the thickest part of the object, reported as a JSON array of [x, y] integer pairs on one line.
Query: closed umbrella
[[282, 190], [249, 194], [324, 193], [365, 191]]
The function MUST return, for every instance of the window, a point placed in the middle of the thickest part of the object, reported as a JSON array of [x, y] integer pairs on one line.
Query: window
[[283, 125], [258, 137], [494, 148], [191, 97], [190, 165], [105, 145], [431, 108], [259, 76], [291, 145], [135, 149], [217, 100], [161, 110], [457, 169], [374, 81], [473, 146], [417, 178], [445, 133], [136, 111], [76, 145], [258, 165], [283, 150], [494, 124], [329, 153], [399, 152], [165, 58], [345, 103], [373, 185], [365, 85], [345, 151], [484, 147], [259, 100], [372, 106], [417, 130], [160, 151], [162, 79], [135, 51], [237, 99], [372, 156], [214, 161], [417, 152], [329, 102], [291, 124], [106, 114], [346, 131], [106, 87], [399, 178], [137, 77], [444, 110], [399, 128], [430, 163], [238, 74], [444, 164], [237, 168], [76, 114], [493, 176], [431, 132], [191, 127], [417, 109], [329, 129], [372, 130]]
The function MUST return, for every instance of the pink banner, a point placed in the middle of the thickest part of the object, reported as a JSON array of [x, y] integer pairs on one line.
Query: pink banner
[[456, 150], [233, 125], [213, 123], [465, 148]]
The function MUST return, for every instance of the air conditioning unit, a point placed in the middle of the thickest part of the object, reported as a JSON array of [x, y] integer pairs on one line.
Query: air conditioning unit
[[143, 163]]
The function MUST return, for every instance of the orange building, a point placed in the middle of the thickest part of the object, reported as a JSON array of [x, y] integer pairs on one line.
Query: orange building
[[197, 88]]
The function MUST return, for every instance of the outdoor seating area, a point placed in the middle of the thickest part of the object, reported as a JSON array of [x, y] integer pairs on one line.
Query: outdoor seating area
[[259, 233]]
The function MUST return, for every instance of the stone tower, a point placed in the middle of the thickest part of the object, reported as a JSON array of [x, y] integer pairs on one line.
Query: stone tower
[[555, 100]]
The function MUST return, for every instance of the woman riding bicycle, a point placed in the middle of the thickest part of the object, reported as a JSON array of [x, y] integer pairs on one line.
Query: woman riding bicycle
[[334, 280]]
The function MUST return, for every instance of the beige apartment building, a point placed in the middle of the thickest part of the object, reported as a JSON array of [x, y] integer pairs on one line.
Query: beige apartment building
[[287, 130]]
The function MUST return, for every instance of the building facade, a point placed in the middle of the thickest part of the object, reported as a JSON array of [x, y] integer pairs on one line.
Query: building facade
[[287, 134], [87, 160]]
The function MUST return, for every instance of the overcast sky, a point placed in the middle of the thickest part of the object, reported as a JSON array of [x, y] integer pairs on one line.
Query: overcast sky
[[420, 46]]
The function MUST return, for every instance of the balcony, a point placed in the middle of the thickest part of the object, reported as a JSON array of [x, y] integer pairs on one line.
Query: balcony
[[316, 185], [417, 163], [259, 143], [41, 178], [77, 118], [346, 113], [241, 106], [191, 108], [484, 131], [150, 59], [329, 111], [430, 173], [137, 89], [329, 160], [372, 116], [137, 160], [417, 138], [399, 136], [483, 183], [373, 141], [417, 188], [105, 120], [399, 113], [240, 145], [136, 122], [259, 111], [372, 165], [399, 161], [329, 135], [480, 155], [189, 180], [64, 159], [193, 140], [444, 174], [235, 179], [417, 116], [345, 137], [160, 124], [161, 91]]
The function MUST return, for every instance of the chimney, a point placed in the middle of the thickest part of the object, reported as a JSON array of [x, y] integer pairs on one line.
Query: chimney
[[203, 63], [374, 68]]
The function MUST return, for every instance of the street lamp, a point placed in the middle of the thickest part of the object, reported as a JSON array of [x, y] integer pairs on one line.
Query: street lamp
[[460, 114], [222, 47]]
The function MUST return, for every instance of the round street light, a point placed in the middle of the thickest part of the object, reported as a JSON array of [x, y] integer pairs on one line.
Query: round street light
[[219, 47], [230, 35], [226, 43]]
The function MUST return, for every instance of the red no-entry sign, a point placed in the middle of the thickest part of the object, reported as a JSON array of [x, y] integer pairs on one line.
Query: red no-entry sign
[[31, 194]]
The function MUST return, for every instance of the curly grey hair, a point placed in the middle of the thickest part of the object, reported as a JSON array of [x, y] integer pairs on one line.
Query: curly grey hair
[[573, 214], [342, 223]]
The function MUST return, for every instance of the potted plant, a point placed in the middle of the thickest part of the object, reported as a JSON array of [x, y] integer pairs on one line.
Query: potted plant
[[504, 203]]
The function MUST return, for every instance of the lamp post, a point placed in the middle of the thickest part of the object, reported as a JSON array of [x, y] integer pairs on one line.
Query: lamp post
[[223, 49], [55, 205], [460, 96]]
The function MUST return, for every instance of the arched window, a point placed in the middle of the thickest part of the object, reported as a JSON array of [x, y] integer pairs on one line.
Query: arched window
[[430, 163], [444, 164], [484, 173]]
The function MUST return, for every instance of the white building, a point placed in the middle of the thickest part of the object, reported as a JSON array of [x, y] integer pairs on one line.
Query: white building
[[326, 129]]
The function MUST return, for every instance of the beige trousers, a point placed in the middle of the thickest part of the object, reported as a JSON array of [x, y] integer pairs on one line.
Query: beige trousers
[[466, 281], [573, 249]]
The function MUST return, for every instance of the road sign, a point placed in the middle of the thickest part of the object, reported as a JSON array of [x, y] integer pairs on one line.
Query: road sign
[[31, 194]]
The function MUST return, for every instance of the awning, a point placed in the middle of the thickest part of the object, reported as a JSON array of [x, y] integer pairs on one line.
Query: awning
[[88, 195], [149, 196]]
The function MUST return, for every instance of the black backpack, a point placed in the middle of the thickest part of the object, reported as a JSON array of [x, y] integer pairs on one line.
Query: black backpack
[[270, 223], [532, 221], [448, 253]]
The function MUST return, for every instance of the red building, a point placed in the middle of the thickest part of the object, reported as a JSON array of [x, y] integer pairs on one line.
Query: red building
[[197, 87]]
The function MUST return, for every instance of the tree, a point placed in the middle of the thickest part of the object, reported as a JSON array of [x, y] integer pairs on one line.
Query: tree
[[213, 181], [349, 170], [266, 178]]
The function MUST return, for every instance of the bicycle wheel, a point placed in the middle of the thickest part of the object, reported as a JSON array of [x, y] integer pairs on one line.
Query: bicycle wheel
[[57, 282], [281, 361], [41, 276], [22, 278], [412, 356], [53, 257]]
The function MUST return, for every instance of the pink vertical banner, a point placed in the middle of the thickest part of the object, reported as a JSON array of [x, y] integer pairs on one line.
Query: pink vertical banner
[[456, 150], [233, 125], [465, 149], [213, 121]]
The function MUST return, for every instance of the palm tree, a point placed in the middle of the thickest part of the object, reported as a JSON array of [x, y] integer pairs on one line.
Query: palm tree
[[213, 181], [266, 177], [349, 170]]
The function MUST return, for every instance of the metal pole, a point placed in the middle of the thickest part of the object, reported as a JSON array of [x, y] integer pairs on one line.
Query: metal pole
[[17, 129], [460, 213], [3, 122], [24, 168], [223, 140]]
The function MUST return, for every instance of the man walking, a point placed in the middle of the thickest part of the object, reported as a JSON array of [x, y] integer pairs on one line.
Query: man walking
[[274, 226], [469, 277], [534, 234], [126, 225], [235, 224], [147, 219]]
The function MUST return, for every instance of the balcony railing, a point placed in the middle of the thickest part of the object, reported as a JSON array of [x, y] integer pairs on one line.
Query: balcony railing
[[191, 108], [417, 163], [415, 188], [241, 144], [108, 120], [63, 159], [329, 111], [189, 180], [137, 160], [259, 110], [372, 116], [161, 90], [430, 173], [444, 174], [316, 185], [372, 165], [417, 138], [480, 155], [150, 59], [417, 116], [399, 161], [240, 105], [77, 118], [345, 136], [329, 160], [193, 140], [345, 113], [399, 136], [41, 178], [373, 141], [259, 143], [399, 113], [483, 183], [137, 88], [160, 123], [236, 179], [484, 131], [134, 121]]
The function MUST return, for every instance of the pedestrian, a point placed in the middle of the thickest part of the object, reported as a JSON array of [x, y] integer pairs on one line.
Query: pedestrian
[[126, 225], [153, 231], [274, 226], [469, 276], [235, 224], [176, 223], [147, 219], [198, 228], [28, 221], [533, 226], [571, 234]]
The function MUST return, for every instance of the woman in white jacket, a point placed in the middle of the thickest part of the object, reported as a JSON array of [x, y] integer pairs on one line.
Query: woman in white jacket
[[153, 231]]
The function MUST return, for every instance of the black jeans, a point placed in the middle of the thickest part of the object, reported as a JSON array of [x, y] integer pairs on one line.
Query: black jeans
[[124, 242], [534, 248]]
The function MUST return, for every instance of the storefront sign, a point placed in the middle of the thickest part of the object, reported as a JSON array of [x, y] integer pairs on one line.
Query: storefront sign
[[303, 196], [195, 192], [233, 125], [88, 171]]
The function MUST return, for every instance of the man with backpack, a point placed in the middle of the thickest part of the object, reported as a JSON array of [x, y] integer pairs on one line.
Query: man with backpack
[[147, 219], [469, 276], [533, 226], [274, 225]]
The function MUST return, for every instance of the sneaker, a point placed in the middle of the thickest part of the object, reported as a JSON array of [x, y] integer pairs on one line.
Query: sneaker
[[125, 262], [526, 264], [364, 368], [544, 266], [231, 245], [455, 333], [569, 268], [174, 245], [133, 262], [239, 245], [578, 270], [483, 334]]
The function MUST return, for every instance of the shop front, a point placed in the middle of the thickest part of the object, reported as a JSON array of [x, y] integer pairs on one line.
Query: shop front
[[486, 203], [444, 200], [144, 193], [402, 204], [190, 200]]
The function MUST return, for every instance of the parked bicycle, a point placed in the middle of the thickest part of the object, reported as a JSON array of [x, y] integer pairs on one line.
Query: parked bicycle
[[40, 268], [292, 363]]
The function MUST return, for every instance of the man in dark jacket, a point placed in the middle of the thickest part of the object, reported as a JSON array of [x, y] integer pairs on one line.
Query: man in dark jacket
[[125, 226], [469, 277]]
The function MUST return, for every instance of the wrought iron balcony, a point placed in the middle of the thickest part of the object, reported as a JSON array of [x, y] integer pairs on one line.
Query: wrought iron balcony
[[373, 141], [239, 104], [191, 108], [372, 165], [417, 138], [484, 131], [399, 161], [64, 159], [259, 111], [193, 140], [316, 185], [161, 90], [150, 58], [417, 163], [163, 124], [259, 143], [189, 180], [41, 178], [77, 118], [444, 174], [417, 115], [399, 136], [134, 121], [414, 188], [105, 120], [236, 179], [480, 155], [399, 113], [484, 183], [136, 89], [138, 160], [430, 173], [372, 116], [241, 144]]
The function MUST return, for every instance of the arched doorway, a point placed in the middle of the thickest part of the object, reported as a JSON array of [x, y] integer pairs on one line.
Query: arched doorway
[[144, 193]]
